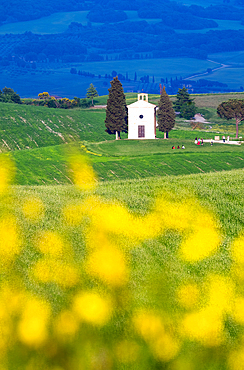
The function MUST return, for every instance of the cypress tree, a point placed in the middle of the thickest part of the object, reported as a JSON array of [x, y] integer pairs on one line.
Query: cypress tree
[[166, 113], [184, 104], [116, 111]]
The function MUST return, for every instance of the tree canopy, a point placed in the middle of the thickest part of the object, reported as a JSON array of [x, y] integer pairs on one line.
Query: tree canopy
[[233, 108], [184, 104], [91, 92], [166, 113], [116, 112], [8, 95]]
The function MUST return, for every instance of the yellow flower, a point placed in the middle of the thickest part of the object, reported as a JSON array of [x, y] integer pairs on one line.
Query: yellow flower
[[165, 347], [236, 359], [148, 325], [238, 310], [33, 209], [6, 173], [188, 295], [50, 270], [162, 343], [50, 242], [220, 293], [66, 324], [108, 264], [73, 214], [92, 308], [238, 249], [32, 329], [10, 244], [205, 326], [202, 242], [83, 174]]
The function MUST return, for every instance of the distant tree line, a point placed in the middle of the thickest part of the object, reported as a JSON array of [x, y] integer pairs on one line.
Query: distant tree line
[[8, 95], [113, 11], [120, 38], [45, 100], [102, 15], [18, 11]]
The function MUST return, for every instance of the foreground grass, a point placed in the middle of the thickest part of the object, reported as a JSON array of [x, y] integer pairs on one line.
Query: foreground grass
[[140, 308]]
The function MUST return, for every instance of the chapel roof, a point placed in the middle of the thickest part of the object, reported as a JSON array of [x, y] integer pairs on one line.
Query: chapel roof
[[142, 102]]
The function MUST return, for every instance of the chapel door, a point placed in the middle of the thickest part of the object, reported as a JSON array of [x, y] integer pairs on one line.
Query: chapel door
[[141, 131]]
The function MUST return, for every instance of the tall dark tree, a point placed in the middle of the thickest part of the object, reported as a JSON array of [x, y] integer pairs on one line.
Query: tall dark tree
[[184, 104], [233, 108], [91, 93], [166, 113], [116, 112]]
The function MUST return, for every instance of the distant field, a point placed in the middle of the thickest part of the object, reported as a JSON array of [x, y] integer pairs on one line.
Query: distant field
[[229, 75], [160, 68], [59, 81], [229, 57], [58, 22]]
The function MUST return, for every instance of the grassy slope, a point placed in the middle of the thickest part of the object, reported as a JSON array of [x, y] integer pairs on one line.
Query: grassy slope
[[24, 127], [127, 160], [45, 129]]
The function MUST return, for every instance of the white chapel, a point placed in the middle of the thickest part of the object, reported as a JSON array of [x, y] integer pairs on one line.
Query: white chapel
[[142, 119]]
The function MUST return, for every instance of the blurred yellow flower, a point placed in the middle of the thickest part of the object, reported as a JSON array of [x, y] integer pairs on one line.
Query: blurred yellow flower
[[50, 270], [92, 308], [33, 326], [108, 264], [83, 174], [72, 214], [33, 209], [238, 310], [51, 243], [10, 244], [205, 326], [66, 325], [165, 347], [148, 325], [238, 249], [174, 215], [236, 359], [6, 173], [220, 293], [202, 242], [188, 295]]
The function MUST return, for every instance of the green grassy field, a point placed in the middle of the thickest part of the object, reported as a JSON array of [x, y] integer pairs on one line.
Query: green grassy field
[[127, 160], [141, 272], [151, 302]]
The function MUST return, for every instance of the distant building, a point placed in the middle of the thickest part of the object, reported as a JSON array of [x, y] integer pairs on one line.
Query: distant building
[[142, 119]]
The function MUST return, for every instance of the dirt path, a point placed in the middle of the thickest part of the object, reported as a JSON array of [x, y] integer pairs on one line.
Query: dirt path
[[207, 73]]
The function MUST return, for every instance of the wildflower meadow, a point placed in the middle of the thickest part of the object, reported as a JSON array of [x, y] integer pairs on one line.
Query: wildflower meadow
[[123, 276]]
